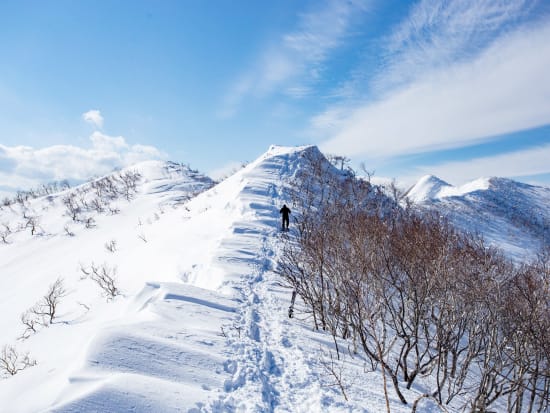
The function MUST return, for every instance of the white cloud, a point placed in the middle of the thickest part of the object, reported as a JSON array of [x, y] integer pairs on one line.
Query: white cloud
[[527, 162], [93, 117], [506, 88], [104, 142], [295, 60], [22, 167]]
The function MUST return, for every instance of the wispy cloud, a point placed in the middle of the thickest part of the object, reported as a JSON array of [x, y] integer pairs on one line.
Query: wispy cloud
[[93, 117], [503, 89], [295, 60], [437, 33], [22, 167], [527, 162]]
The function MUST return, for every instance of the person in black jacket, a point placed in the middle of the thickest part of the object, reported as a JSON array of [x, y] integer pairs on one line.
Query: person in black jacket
[[285, 211]]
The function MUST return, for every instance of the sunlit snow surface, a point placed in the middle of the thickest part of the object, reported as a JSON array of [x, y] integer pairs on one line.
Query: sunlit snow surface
[[202, 323]]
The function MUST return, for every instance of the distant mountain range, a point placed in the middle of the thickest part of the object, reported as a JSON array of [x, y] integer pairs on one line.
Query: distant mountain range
[[509, 214]]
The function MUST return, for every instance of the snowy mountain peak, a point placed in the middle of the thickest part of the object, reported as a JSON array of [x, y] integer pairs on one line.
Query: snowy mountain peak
[[431, 188], [428, 187]]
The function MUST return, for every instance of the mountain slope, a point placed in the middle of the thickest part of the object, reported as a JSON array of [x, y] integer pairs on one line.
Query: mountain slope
[[30, 263], [201, 324], [509, 214]]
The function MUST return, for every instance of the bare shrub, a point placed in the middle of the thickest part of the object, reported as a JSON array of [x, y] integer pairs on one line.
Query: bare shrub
[[114, 210], [5, 233], [32, 222], [104, 277], [32, 319], [89, 222], [12, 362], [72, 208], [111, 246], [335, 369], [68, 231]]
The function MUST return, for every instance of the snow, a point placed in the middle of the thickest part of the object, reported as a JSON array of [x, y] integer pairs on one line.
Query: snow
[[430, 188], [479, 184], [201, 324], [427, 187]]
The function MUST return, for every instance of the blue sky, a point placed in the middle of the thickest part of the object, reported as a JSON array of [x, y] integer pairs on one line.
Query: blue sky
[[458, 89]]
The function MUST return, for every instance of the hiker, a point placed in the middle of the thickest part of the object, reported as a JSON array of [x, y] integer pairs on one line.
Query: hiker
[[285, 211]]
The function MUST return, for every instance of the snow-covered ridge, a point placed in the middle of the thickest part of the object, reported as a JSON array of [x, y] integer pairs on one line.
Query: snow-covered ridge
[[430, 187], [201, 322]]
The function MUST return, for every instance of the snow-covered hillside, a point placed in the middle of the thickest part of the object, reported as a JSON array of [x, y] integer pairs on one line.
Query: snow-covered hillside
[[511, 215], [200, 324]]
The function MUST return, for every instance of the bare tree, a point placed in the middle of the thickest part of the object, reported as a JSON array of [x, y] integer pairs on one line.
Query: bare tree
[[338, 160], [97, 205], [44, 311], [49, 304]]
